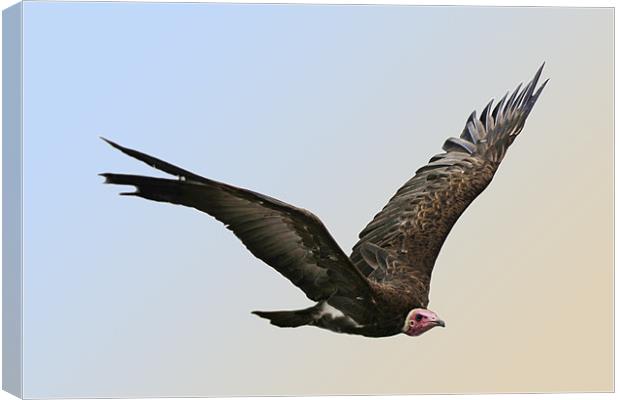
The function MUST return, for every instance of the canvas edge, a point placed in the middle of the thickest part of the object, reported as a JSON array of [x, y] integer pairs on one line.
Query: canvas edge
[[12, 339]]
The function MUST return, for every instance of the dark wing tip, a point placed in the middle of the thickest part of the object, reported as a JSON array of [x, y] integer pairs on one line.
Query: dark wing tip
[[540, 89], [111, 143], [110, 178], [126, 150], [117, 146], [542, 66], [155, 162], [529, 89], [513, 108], [485, 113], [106, 176]]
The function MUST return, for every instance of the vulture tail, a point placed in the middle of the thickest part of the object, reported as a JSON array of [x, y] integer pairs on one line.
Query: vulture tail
[[290, 319]]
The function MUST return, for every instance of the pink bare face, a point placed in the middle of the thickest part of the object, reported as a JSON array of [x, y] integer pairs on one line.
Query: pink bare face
[[420, 320]]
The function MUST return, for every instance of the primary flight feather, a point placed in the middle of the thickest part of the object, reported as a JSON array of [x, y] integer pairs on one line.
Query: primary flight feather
[[382, 289]]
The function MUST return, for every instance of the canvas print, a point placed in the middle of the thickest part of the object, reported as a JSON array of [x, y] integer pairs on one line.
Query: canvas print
[[416, 199]]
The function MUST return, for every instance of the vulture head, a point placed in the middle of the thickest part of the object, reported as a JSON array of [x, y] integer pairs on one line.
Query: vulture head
[[420, 320]]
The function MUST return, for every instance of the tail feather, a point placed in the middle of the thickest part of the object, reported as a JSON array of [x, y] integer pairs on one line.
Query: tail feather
[[289, 319]]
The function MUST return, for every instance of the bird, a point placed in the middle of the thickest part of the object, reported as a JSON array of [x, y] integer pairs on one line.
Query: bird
[[382, 288]]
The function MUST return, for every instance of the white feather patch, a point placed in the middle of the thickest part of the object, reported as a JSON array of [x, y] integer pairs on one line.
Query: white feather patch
[[333, 312]]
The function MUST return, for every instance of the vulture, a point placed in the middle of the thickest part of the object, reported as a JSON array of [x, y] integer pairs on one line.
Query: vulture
[[382, 289]]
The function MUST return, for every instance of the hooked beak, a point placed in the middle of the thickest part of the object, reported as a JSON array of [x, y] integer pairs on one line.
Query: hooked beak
[[440, 323]]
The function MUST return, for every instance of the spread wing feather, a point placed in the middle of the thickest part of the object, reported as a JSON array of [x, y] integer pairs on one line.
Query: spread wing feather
[[291, 240], [417, 219]]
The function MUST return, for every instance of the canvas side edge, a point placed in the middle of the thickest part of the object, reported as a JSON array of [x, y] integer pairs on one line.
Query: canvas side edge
[[12, 74]]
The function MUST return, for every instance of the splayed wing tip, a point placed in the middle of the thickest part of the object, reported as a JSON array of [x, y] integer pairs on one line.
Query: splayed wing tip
[[111, 143]]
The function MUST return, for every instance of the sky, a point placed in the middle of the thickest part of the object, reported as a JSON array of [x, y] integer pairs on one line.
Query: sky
[[330, 108]]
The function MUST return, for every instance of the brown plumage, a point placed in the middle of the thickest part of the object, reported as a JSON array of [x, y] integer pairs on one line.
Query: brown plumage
[[382, 289]]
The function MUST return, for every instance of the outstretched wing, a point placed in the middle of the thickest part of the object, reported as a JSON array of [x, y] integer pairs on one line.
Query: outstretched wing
[[412, 227], [291, 240]]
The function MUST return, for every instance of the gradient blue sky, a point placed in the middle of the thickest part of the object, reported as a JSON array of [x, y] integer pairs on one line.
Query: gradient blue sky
[[330, 108]]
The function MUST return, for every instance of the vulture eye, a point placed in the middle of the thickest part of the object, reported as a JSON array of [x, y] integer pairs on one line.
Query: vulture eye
[[419, 317]]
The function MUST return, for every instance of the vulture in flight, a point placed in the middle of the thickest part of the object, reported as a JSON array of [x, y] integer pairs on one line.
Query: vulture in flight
[[382, 288]]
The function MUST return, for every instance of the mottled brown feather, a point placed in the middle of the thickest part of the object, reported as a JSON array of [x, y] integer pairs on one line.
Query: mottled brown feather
[[416, 221]]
